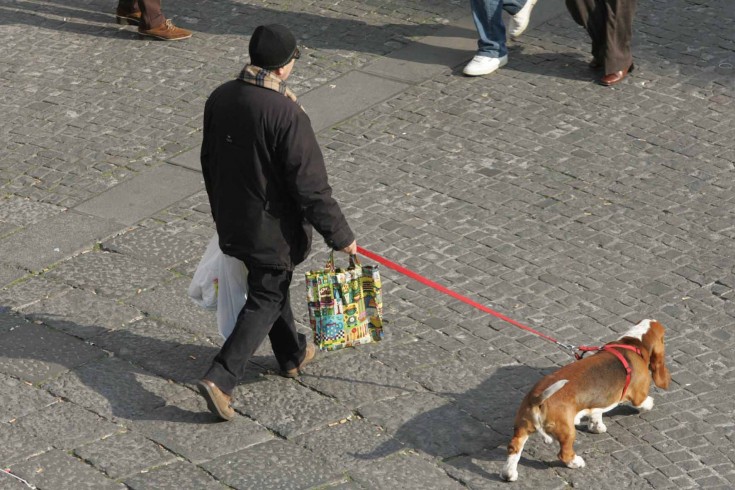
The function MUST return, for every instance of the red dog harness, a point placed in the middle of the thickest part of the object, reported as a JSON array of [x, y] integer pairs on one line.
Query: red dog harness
[[611, 348]]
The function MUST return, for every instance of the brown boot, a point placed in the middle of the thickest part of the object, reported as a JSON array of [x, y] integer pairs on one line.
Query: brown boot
[[128, 18], [293, 373], [218, 402], [166, 31]]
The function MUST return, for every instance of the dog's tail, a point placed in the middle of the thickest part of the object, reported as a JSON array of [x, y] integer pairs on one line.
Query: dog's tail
[[548, 392], [536, 413]]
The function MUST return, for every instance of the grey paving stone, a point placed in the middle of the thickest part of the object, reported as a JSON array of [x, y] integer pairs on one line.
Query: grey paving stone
[[404, 470], [273, 464], [66, 425], [10, 273], [189, 159], [163, 246], [124, 454], [30, 290], [287, 407], [420, 421], [355, 379], [81, 313], [170, 302], [37, 353], [190, 430], [53, 239], [354, 443], [144, 194], [17, 445], [109, 274], [23, 212], [117, 390], [174, 477], [56, 469], [20, 398], [345, 97]]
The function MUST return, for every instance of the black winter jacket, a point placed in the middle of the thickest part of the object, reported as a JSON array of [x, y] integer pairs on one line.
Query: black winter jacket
[[266, 179]]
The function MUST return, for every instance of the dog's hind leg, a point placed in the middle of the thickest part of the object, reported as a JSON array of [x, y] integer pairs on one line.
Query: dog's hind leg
[[515, 448], [565, 432]]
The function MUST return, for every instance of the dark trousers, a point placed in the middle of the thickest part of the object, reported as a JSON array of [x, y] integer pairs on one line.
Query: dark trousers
[[609, 24], [267, 311], [150, 11]]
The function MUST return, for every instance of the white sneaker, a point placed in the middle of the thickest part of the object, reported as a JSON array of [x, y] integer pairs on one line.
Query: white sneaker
[[519, 22], [484, 65]]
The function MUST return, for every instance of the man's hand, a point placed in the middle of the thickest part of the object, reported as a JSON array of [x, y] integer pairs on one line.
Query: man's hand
[[351, 248]]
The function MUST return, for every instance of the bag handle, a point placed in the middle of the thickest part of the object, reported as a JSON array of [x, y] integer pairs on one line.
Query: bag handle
[[354, 261]]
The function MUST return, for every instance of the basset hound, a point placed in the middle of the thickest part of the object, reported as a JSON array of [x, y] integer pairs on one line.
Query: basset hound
[[589, 387]]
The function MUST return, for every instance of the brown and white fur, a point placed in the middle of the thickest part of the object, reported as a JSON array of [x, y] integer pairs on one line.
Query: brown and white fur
[[588, 388]]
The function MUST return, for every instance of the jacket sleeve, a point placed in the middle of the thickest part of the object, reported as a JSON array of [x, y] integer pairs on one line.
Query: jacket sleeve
[[204, 155], [306, 178]]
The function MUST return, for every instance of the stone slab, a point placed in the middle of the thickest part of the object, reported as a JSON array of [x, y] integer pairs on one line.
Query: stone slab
[[144, 194], [81, 313], [124, 454], [289, 408], [162, 246], [109, 274], [17, 445], [9, 273], [53, 239], [190, 158], [356, 379], [23, 211], [420, 421], [37, 353], [352, 443], [66, 425], [30, 290], [190, 430], [174, 477], [117, 389], [407, 471], [346, 96], [429, 56], [275, 464], [60, 471], [18, 398]]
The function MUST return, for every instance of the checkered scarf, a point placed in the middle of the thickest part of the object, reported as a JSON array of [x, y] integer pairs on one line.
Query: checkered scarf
[[265, 78]]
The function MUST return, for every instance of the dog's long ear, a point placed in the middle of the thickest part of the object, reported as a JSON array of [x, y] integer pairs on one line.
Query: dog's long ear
[[654, 341]]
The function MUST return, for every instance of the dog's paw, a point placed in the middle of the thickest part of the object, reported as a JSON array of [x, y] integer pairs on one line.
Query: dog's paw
[[509, 475], [597, 427], [577, 462], [547, 438], [646, 405]]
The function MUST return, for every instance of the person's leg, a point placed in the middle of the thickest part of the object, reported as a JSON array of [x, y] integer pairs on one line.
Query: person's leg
[[513, 6], [619, 32], [488, 18], [590, 14], [152, 15], [267, 296], [288, 345], [128, 12]]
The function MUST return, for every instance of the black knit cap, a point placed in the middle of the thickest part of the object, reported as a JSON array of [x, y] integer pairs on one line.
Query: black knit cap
[[272, 46]]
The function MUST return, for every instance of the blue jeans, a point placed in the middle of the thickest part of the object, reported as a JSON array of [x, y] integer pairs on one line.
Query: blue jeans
[[488, 17]]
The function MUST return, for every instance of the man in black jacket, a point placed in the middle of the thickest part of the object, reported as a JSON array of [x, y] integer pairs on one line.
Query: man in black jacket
[[267, 185]]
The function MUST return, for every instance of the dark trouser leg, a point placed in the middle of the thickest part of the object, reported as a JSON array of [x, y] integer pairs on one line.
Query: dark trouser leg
[[127, 6], [152, 14], [619, 32], [591, 14], [267, 307]]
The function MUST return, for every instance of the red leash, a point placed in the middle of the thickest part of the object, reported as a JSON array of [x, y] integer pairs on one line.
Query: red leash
[[428, 282]]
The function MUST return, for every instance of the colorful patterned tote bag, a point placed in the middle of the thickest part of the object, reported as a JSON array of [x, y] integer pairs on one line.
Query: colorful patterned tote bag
[[345, 305]]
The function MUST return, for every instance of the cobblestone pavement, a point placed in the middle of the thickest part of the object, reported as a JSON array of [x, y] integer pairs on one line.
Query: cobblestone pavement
[[570, 207]]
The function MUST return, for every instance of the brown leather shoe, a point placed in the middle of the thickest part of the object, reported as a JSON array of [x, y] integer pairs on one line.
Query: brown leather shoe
[[218, 402], [128, 18], [166, 31], [616, 77], [293, 373]]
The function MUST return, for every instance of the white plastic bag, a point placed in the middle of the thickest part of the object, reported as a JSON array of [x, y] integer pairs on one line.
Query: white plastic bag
[[220, 282]]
